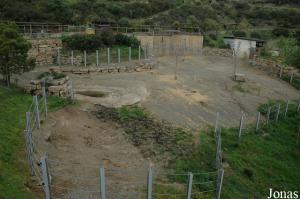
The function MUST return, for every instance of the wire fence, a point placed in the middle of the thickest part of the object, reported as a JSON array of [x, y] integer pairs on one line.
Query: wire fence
[[65, 179]]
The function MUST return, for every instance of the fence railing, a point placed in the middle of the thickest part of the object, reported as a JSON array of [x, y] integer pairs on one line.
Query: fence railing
[[101, 57]]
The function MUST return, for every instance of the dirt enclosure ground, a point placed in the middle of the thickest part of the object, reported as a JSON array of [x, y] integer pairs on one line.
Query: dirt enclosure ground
[[77, 143], [202, 87]]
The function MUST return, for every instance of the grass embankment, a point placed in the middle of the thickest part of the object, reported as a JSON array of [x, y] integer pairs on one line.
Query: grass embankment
[[258, 161], [14, 172]]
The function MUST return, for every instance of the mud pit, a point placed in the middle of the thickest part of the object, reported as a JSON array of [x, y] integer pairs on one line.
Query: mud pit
[[202, 86]]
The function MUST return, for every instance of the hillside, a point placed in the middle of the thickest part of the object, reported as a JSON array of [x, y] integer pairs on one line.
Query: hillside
[[207, 14]]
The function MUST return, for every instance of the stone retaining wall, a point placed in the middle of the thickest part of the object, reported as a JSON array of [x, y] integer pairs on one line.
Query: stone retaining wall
[[217, 52], [272, 67], [44, 50]]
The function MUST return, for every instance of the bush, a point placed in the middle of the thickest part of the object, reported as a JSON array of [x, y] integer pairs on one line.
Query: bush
[[125, 40], [83, 42], [239, 33], [107, 37], [256, 35], [278, 32]]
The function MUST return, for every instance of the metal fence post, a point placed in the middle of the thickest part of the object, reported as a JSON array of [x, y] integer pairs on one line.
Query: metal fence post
[[45, 101], [129, 54], [119, 55], [45, 176], [84, 58], [36, 110], [29, 143], [97, 57], [217, 123], [286, 108], [278, 112], [108, 56], [58, 57], [220, 183], [241, 125], [257, 121], [139, 53], [102, 183], [292, 77], [72, 58], [149, 184], [268, 116], [190, 186]]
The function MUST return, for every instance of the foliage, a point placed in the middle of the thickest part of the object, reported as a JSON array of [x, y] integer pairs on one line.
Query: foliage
[[290, 51], [239, 33], [14, 174], [94, 42], [251, 164], [13, 52], [125, 40]]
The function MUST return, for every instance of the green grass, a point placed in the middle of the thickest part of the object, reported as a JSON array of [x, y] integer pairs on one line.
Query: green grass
[[14, 173], [257, 162]]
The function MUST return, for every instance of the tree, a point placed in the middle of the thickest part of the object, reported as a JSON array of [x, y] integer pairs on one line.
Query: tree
[[13, 52]]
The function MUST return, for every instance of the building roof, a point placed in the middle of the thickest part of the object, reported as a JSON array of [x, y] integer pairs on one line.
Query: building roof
[[244, 38]]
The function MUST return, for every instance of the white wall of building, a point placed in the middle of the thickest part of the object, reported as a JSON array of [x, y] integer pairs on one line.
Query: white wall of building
[[244, 47]]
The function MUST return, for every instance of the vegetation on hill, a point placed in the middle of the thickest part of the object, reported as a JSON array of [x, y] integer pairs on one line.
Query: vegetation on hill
[[208, 14], [15, 181]]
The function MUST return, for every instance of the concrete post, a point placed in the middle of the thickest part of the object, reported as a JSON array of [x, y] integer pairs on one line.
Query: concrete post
[[119, 55], [217, 123], [298, 106], [45, 176], [257, 121], [291, 79]]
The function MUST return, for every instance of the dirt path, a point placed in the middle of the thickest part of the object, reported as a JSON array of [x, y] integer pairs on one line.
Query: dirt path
[[77, 143]]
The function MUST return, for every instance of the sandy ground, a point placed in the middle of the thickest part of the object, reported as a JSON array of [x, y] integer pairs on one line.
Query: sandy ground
[[201, 87], [77, 144]]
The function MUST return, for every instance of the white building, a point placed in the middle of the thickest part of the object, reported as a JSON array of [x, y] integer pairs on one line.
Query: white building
[[244, 47]]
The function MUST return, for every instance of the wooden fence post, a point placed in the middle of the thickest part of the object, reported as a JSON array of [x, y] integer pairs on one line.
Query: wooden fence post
[[45, 100], [129, 54], [97, 57], [72, 58], [286, 108], [119, 55], [84, 58], [278, 112], [108, 56], [216, 123], [241, 125], [268, 116]]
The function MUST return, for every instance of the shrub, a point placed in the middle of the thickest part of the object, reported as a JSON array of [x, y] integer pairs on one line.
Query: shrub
[[256, 35], [83, 42], [107, 37], [125, 40], [239, 33], [281, 32]]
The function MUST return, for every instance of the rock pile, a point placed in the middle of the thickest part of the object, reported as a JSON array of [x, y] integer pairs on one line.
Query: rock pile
[[56, 83], [217, 52]]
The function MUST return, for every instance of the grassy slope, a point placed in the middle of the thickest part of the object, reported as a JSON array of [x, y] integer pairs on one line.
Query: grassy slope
[[259, 161], [14, 173]]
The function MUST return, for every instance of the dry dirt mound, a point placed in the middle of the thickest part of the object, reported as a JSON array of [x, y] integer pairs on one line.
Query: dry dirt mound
[[77, 143]]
